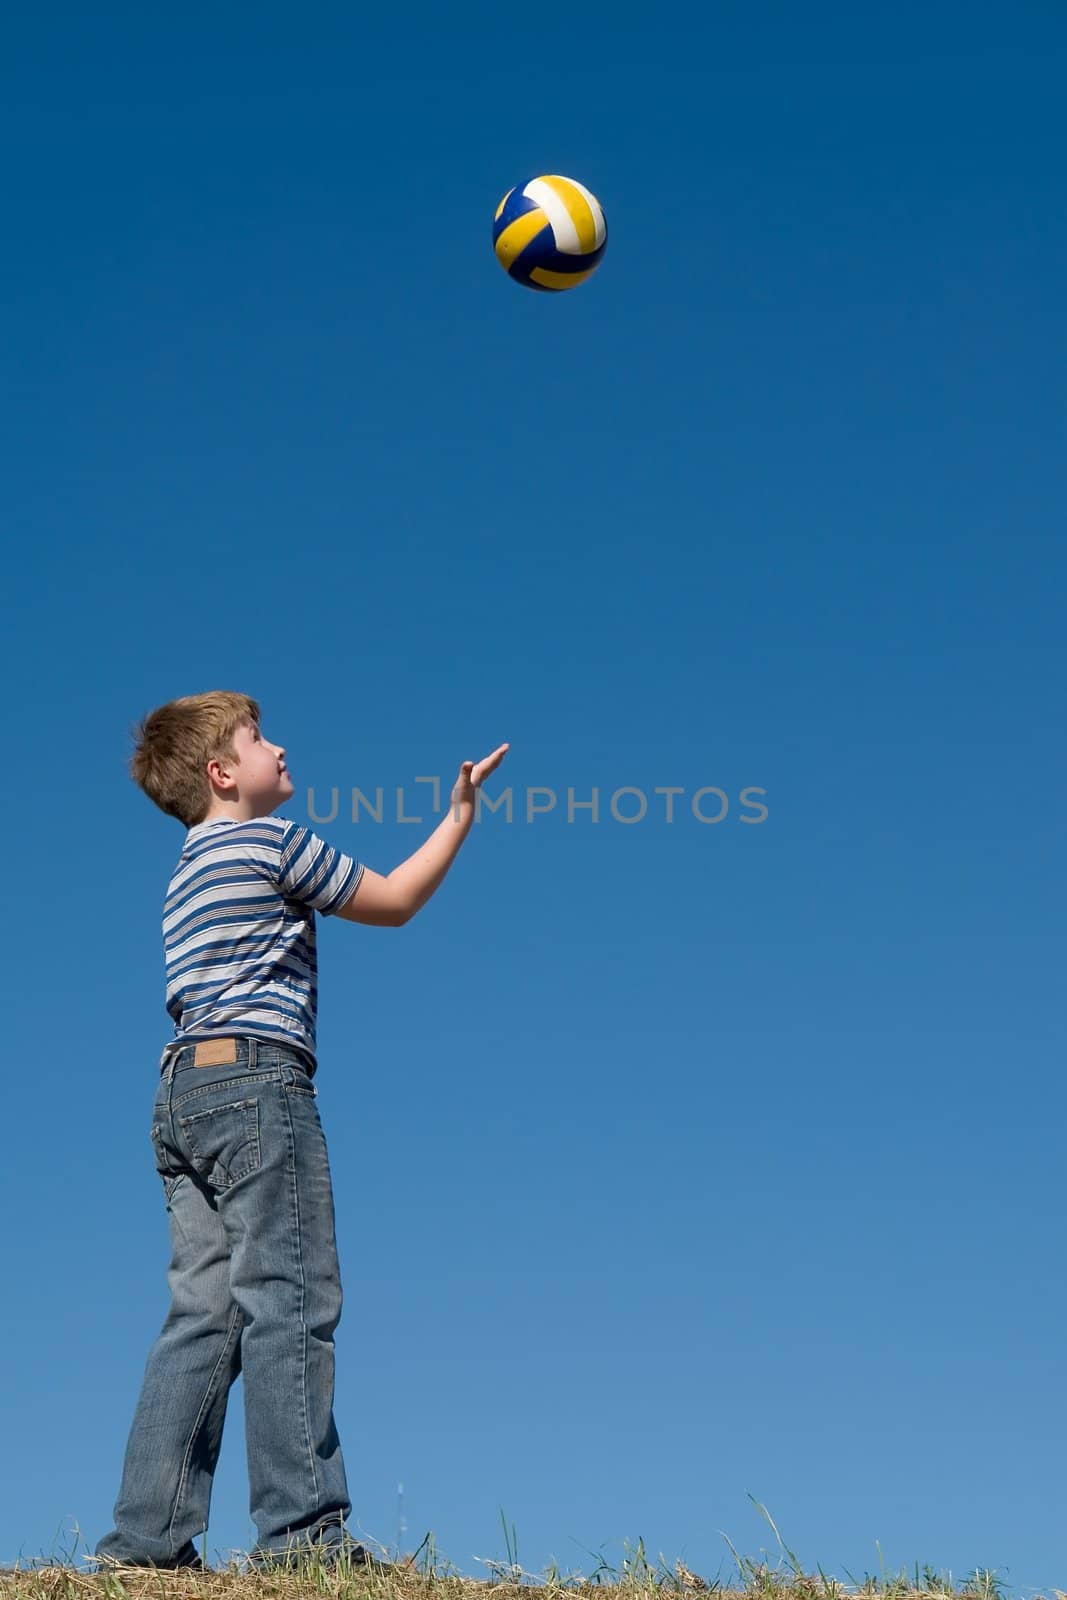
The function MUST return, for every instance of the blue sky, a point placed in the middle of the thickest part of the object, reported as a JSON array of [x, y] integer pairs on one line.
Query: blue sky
[[677, 1165]]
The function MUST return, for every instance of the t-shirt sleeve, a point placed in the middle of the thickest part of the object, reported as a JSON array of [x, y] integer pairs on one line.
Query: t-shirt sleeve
[[314, 872]]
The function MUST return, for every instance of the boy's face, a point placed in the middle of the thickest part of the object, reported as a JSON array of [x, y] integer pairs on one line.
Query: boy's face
[[259, 775]]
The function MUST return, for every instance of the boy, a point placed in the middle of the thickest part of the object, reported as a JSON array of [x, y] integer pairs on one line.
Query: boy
[[254, 1278]]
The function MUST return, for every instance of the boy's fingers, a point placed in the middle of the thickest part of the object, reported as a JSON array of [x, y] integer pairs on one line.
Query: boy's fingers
[[476, 771]]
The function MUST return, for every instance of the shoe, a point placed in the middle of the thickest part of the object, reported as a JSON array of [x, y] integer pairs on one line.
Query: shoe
[[195, 1565], [357, 1556], [330, 1555]]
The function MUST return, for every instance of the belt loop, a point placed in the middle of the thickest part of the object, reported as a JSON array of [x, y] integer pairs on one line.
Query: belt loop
[[251, 1055]]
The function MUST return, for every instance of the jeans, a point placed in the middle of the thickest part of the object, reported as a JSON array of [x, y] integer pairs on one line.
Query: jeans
[[255, 1287]]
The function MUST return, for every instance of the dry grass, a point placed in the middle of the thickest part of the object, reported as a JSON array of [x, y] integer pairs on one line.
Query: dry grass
[[423, 1576]]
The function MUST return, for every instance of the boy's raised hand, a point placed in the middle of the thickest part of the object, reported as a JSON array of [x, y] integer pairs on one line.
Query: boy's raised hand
[[473, 773]]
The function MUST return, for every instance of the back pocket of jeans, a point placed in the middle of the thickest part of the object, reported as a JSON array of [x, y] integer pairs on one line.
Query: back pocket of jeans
[[223, 1141]]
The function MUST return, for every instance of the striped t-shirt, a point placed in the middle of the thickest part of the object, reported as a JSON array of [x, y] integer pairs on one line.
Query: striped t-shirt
[[239, 929]]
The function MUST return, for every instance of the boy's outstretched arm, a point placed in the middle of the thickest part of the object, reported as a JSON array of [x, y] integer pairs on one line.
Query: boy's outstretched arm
[[389, 902]]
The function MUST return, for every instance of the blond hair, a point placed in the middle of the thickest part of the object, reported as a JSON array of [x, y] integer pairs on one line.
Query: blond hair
[[175, 743]]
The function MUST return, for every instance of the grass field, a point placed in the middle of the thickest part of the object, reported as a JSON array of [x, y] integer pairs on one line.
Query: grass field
[[423, 1575]]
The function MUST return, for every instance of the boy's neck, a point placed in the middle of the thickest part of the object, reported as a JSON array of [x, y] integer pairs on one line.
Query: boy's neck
[[234, 813]]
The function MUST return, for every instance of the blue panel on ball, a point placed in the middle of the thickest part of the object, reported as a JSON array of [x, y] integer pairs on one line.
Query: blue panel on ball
[[519, 202], [541, 252], [554, 260], [517, 206]]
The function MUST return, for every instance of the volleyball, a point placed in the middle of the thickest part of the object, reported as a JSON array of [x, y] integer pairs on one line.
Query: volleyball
[[549, 233]]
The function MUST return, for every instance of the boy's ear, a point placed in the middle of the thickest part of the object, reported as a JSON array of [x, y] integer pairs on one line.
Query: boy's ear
[[220, 776]]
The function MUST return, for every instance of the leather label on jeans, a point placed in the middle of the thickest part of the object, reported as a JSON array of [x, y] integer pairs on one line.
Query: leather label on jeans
[[215, 1052]]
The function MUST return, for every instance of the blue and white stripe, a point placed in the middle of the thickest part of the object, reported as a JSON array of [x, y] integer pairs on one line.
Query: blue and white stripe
[[239, 928]]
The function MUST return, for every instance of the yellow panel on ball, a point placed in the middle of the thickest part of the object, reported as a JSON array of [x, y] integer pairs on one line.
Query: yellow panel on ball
[[559, 280], [517, 235]]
